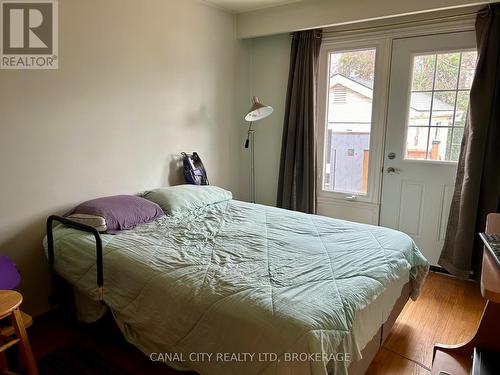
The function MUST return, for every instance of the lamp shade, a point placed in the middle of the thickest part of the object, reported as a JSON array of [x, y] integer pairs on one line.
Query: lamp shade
[[258, 111]]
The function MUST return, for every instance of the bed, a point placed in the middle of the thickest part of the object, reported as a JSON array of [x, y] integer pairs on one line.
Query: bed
[[263, 290]]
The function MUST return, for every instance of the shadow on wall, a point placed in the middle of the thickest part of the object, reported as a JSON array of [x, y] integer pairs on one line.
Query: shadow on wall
[[25, 247], [175, 172]]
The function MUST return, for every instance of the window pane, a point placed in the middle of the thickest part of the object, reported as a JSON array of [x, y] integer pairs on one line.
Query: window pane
[[349, 123], [423, 72], [437, 143], [447, 71], [439, 105], [455, 144], [443, 107], [416, 142], [467, 69], [420, 108], [462, 108]]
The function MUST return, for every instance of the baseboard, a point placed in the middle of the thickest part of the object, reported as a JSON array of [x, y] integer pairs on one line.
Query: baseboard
[[439, 269]]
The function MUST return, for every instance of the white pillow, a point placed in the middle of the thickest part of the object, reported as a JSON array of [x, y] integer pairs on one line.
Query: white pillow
[[97, 222]]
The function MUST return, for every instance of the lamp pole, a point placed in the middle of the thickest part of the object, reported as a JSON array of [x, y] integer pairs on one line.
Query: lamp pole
[[258, 111], [251, 140]]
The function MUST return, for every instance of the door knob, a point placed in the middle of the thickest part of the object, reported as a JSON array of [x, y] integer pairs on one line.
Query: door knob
[[392, 170]]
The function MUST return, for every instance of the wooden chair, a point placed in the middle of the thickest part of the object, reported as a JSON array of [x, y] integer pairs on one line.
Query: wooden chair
[[16, 333]]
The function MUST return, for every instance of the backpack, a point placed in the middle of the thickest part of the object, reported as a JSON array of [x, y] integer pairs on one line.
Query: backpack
[[194, 170]]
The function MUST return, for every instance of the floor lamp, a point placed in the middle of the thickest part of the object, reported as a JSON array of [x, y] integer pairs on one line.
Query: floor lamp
[[257, 112]]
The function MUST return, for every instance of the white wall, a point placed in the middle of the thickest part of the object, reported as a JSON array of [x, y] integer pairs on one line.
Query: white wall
[[268, 72], [137, 84], [309, 14]]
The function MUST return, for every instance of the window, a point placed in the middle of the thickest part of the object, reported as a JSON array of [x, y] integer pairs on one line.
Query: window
[[439, 104], [349, 121]]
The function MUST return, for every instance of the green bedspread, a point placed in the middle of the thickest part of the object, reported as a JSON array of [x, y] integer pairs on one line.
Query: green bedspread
[[242, 278]]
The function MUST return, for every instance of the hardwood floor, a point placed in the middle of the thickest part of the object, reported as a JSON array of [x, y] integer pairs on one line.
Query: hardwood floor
[[447, 311], [389, 363]]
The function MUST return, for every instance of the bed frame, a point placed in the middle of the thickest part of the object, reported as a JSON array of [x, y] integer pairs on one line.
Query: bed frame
[[356, 368], [85, 228]]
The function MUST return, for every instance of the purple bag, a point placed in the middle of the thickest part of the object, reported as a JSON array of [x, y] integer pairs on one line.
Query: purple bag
[[194, 170]]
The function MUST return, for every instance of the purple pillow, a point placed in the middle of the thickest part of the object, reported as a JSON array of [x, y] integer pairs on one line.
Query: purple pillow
[[120, 212]]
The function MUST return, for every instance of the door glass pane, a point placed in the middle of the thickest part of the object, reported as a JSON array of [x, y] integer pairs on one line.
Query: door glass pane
[[416, 142], [462, 108], [443, 108], [349, 121], [423, 72], [455, 143], [439, 104], [467, 68], [420, 108], [447, 71], [436, 146]]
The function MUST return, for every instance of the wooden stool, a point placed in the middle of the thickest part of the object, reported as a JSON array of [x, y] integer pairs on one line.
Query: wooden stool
[[9, 307]]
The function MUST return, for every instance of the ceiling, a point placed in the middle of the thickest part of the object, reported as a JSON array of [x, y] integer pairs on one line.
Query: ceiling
[[241, 6]]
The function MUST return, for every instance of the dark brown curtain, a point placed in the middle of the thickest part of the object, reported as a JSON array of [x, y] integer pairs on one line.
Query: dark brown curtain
[[297, 178], [477, 186]]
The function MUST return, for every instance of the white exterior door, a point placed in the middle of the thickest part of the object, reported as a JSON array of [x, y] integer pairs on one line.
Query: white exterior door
[[429, 88]]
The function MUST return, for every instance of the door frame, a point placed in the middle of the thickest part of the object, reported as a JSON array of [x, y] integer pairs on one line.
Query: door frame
[[380, 37], [379, 104]]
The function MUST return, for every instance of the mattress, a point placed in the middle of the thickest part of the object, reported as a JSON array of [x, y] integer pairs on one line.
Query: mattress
[[368, 320], [264, 290]]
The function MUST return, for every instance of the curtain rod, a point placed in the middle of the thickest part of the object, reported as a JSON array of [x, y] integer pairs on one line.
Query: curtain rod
[[402, 23]]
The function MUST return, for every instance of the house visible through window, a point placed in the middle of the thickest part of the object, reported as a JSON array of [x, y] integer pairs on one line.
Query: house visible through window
[[339, 94], [439, 104], [349, 121]]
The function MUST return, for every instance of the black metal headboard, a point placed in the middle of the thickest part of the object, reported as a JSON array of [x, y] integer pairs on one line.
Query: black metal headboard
[[84, 228]]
